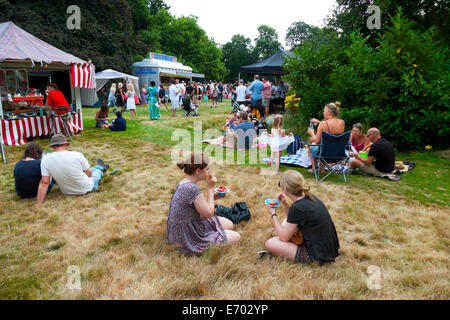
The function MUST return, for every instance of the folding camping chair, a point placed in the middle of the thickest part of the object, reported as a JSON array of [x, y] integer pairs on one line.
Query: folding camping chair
[[65, 122], [333, 156]]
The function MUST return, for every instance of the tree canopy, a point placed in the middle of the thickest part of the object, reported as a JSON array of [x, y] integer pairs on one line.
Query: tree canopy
[[115, 34]]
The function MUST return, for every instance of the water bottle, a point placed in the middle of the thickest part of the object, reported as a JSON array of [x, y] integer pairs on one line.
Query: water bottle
[[311, 125]]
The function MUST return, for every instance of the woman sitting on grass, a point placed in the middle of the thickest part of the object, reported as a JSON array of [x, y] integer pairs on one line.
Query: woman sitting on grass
[[309, 216], [102, 117], [192, 225], [358, 138]]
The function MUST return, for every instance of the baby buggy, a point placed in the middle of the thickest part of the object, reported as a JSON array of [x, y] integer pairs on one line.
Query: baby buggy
[[189, 109]]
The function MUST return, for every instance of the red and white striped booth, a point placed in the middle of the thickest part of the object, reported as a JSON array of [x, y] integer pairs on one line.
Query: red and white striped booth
[[20, 50], [16, 132]]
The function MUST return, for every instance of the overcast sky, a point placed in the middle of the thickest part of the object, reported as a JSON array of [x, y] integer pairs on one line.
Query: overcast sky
[[223, 19]]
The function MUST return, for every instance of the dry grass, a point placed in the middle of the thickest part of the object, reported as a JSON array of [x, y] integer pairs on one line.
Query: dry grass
[[117, 238]]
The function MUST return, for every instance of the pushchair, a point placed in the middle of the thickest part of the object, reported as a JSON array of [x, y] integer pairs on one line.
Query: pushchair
[[189, 109]]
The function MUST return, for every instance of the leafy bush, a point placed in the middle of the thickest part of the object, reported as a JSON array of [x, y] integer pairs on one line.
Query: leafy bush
[[400, 87]]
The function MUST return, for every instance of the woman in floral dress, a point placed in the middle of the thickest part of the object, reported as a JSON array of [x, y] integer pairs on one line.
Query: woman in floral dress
[[192, 225]]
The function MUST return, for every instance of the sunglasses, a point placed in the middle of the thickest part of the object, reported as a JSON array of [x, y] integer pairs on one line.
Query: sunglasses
[[369, 135], [279, 184]]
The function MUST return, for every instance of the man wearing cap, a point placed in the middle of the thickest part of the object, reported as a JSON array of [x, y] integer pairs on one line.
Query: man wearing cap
[[70, 170]]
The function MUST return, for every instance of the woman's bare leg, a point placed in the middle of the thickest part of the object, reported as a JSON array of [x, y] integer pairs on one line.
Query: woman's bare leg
[[279, 248]]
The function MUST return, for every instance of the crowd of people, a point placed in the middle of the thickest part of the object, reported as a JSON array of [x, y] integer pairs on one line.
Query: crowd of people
[[307, 235]]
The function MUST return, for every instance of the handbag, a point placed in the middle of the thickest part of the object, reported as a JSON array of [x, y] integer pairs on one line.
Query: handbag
[[136, 100]]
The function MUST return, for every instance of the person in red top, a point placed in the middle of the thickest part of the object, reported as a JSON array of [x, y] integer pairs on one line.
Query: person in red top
[[55, 99]]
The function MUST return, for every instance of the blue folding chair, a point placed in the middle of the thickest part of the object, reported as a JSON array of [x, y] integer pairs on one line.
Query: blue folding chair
[[333, 156]]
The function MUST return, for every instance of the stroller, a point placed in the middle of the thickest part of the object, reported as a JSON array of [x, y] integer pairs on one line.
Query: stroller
[[189, 108]]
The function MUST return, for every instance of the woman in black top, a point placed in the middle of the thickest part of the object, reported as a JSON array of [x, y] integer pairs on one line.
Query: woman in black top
[[162, 96], [309, 234], [120, 102]]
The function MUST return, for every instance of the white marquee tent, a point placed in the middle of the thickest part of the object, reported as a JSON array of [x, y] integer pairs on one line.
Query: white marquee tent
[[89, 96]]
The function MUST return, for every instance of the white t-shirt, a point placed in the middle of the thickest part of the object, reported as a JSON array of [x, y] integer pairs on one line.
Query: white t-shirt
[[241, 92], [174, 93], [67, 168], [182, 89]]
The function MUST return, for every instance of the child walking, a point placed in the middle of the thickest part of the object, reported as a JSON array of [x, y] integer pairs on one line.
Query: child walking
[[131, 104], [278, 141]]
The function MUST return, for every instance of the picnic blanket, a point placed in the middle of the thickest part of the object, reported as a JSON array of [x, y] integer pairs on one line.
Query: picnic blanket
[[301, 159], [400, 168], [230, 145]]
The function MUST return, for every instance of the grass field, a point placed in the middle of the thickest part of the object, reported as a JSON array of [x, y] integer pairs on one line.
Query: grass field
[[117, 238]]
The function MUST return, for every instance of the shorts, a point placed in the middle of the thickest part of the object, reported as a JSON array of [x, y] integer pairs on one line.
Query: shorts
[[302, 255], [266, 102], [101, 122], [315, 151], [371, 170], [163, 100], [215, 98]]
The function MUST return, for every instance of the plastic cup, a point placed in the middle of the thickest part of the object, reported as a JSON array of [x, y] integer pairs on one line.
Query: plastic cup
[[364, 155]]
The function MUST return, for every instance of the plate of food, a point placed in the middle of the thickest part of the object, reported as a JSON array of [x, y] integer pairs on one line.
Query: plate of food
[[273, 203], [222, 191]]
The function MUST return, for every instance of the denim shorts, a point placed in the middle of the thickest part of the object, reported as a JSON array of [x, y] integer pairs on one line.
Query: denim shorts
[[315, 151]]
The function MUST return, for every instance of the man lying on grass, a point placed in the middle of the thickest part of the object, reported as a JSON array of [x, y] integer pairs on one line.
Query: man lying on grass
[[69, 169]]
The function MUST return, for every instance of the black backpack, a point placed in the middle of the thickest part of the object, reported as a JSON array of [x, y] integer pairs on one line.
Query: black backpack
[[237, 214], [295, 146]]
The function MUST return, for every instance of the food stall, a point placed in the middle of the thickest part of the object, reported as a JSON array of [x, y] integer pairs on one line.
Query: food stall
[[27, 65], [161, 69]]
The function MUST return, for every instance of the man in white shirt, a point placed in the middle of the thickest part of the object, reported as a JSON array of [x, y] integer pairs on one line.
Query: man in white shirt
[[174, 94], [182, 89], [70, 170], [241, 93]]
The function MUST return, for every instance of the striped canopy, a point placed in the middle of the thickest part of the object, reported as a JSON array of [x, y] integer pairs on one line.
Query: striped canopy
[[17, 44]]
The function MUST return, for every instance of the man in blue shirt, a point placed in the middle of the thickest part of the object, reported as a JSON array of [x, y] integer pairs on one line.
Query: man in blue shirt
[[120, 124], [256, 88], [221, 92], [245, 132]]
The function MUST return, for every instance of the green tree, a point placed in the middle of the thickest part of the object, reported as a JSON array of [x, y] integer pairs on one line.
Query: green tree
[[350, 16], [266, 44], [298, 33], [155, 6], [239, 52]]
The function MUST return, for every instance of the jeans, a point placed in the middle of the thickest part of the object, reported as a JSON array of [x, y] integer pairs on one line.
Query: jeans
[[97, 175]]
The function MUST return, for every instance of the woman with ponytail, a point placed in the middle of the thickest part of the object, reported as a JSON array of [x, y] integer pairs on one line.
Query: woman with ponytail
[[192, 225], [307, 219]]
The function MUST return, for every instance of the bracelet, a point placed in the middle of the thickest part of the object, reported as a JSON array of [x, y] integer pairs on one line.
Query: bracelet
[[274, 215]]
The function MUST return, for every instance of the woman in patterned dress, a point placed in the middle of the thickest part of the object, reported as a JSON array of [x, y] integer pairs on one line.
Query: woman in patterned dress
[[153, 98], [192, 225]]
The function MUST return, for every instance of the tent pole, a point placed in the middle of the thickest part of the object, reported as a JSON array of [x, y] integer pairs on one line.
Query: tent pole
[[1, 108], [78, 105], [239, 77]]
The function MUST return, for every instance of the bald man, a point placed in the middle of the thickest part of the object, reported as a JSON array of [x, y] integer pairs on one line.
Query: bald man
[[381, 158]]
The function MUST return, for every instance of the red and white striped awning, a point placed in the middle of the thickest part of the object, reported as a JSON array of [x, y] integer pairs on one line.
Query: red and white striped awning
[[15, 132], [83, 75]]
